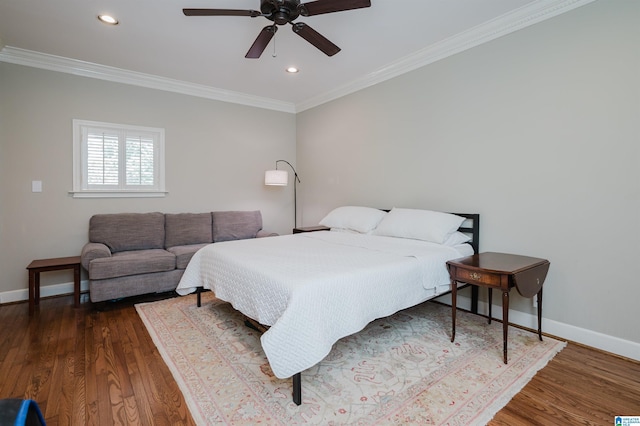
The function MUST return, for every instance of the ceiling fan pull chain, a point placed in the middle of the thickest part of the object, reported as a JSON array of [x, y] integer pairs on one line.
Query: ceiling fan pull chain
[[274, 55]]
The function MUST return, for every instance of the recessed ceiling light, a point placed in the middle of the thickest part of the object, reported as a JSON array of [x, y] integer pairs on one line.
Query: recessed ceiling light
[[292, 70], [108, 19]]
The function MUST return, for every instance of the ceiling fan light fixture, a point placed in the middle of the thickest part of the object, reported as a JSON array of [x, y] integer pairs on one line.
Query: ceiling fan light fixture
[[292, 70], [108, 19]]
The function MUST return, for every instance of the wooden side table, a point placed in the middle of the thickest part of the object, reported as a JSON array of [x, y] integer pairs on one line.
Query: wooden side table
[[502, 271], [46, 265], [302, 229]]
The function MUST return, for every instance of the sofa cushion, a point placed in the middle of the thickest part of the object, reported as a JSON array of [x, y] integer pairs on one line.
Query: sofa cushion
[[182, 229], [128, 231], [185, 253], [236, 225], [131, 263]]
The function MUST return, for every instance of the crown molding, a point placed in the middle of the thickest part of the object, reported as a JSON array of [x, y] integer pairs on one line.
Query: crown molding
[[523, 17], [87, 69]]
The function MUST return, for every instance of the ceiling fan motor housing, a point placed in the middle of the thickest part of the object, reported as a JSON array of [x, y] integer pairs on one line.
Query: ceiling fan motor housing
[[280, 11]]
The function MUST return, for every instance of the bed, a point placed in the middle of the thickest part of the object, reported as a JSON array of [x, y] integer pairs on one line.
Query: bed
[[311, 289]]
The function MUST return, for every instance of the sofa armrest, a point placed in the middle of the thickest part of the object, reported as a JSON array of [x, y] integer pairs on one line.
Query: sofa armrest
[[92, 251], [262, 233]]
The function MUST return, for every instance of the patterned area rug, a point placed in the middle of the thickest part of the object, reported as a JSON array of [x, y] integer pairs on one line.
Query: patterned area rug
[[398, 370]]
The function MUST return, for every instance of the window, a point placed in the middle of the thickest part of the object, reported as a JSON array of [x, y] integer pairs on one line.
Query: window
[[113, 160]]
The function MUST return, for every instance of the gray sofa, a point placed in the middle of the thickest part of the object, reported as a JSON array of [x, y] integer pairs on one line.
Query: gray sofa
[[130, 254]]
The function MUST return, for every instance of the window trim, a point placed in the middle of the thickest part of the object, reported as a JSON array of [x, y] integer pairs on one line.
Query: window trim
[[80, 188]]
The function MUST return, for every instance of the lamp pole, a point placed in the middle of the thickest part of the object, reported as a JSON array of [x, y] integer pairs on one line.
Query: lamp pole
[[295, 201]]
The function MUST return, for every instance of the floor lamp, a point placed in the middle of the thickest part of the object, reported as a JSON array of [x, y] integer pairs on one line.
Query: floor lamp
[[281, 178]]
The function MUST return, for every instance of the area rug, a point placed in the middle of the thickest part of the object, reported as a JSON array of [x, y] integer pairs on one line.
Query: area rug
[[401, 369]]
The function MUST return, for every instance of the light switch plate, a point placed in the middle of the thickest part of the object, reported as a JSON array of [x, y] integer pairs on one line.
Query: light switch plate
[[36, 186]]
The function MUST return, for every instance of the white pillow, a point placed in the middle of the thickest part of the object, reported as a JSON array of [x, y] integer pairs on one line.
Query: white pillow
[[360, 219], [419, 225], [457, 238]]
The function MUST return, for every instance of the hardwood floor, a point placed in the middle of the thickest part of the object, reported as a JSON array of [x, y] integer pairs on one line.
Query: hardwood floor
[[88, 367], [85, 367]]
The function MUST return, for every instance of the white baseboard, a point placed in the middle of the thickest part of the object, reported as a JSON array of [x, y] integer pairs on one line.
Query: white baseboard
[[45, 291], [615, 345], [591, 338]]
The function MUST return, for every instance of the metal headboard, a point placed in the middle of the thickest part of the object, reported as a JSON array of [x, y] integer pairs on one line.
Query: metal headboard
[[473, 228]]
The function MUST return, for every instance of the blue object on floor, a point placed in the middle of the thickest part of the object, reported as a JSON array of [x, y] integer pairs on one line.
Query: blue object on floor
[[20, 412]]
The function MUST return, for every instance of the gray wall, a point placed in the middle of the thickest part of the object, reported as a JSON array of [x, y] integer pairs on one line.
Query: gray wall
[[537, 131], [216, 155]]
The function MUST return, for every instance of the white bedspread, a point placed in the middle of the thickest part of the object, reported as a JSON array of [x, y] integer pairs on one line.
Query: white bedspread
[[315, 288]]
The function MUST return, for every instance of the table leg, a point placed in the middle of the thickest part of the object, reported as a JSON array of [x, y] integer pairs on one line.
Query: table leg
[[505, 321], [76, 286], [32, 291], [454, 297], [37, 289], [539, 296], [490, 302]]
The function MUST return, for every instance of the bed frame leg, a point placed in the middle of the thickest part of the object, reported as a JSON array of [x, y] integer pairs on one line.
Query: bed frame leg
[[474, 299], [297, 389], [199, 298]]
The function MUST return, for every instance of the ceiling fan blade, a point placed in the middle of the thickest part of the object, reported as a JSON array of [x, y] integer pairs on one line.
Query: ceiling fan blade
[[261, 42], [221, 12], [319, 7], [315, 38]]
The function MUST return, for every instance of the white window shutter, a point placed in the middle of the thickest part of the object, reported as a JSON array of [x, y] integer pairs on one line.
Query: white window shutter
[[112, 160]]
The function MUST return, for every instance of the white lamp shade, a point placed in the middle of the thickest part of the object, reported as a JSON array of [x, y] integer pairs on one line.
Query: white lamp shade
[[276, 177]]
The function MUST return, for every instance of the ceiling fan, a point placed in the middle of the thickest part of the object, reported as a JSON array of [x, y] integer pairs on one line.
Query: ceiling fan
[[283, 12]]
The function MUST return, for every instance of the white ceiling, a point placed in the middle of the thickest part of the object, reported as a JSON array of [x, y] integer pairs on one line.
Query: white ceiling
[[155, 45]]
